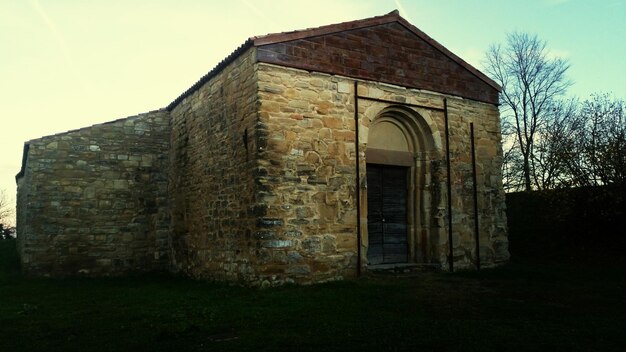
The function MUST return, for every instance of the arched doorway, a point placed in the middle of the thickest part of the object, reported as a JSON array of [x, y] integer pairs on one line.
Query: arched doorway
[[399, 152]]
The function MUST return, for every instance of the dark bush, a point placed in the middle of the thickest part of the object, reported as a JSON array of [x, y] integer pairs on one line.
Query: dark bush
[[582, 223]]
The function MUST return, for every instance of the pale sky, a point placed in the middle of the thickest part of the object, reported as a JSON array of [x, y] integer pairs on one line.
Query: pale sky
[[70, 64]]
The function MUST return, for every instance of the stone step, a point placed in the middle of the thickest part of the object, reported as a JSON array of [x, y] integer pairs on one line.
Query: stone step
[[401, 269]]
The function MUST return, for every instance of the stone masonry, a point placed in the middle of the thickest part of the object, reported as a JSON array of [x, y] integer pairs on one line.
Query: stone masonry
[[212, 184], [309, 167], [250, 176], [94, 200]]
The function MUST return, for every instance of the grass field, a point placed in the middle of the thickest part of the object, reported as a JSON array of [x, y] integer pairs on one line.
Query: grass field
[[525, 306]]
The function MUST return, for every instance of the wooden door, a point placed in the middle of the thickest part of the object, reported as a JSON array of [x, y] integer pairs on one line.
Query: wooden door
[[387, 214]]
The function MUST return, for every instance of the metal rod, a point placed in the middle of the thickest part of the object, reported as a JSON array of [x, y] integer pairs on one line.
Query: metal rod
[[400, 103], [449, 185], [476, 228], [358, 180]]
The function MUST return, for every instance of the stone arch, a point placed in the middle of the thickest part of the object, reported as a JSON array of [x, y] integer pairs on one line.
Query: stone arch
[[402, 138]]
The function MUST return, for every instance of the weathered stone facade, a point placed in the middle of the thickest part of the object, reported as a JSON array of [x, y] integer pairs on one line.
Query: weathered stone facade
[[259, 173], [94, 201], [213, 162], [310, 161]]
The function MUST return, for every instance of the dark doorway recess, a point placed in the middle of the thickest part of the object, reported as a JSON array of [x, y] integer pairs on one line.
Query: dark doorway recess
[[387, 214]]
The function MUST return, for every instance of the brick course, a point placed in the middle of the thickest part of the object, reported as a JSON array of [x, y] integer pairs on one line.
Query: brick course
[[387, 53]]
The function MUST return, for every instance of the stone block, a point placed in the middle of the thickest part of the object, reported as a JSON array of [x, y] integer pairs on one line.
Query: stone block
[[293, 233], [312, 245], [120, 184], [299, 104], [333, 122], [345, 87], [269, 222], [298, 270]]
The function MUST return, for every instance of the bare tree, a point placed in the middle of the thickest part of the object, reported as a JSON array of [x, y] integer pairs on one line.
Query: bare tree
[[554, 145], [531, 83], [6, 214], [596, 152]]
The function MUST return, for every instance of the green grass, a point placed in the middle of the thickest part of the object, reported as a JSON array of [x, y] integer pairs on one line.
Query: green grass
[[526, 305]]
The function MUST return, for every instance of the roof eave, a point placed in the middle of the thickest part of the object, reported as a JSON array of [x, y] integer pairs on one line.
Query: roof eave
[[449, 54], [274, 38], [212, 73], [393, 16]]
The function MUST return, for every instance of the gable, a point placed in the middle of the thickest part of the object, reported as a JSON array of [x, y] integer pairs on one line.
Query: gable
[[389, 52], [385, 49]]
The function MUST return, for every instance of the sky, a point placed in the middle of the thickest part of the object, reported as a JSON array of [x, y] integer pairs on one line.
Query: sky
[[71, 64]]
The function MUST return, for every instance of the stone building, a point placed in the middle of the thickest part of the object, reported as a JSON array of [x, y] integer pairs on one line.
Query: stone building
[[303, 157]]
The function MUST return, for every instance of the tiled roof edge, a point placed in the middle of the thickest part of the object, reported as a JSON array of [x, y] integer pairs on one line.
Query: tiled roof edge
[[274, 38], [393, 16], [277, 37], [408, 25], [229, 59]]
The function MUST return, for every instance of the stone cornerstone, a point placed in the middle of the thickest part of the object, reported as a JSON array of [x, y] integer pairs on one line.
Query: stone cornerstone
[[303, 157]]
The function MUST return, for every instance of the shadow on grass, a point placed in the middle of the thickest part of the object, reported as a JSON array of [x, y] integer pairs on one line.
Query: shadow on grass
[[525, 305]]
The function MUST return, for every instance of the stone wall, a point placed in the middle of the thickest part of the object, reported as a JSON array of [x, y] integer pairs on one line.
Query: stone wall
[[214, 144], [491, 201], [252, 178], [94, 201], [309, 174]]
